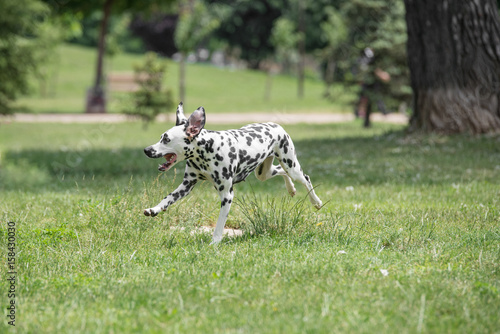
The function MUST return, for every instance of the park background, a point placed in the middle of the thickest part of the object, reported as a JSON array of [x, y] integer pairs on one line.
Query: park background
[[408, 238]]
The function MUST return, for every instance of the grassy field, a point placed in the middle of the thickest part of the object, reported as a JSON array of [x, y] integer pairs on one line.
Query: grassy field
[[408, 241], [224, 90]]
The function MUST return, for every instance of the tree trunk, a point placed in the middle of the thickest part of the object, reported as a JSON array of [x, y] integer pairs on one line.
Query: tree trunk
[[96, 100], [302, 49], [329, 76], [182, 78], [454, 60]]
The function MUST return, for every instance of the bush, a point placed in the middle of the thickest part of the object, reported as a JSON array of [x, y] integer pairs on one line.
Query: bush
[[150, 99]]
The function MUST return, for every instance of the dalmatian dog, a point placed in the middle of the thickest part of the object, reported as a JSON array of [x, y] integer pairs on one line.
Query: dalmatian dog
[[226, 158]]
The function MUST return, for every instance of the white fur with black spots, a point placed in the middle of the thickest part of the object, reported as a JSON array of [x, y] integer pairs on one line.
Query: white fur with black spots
[[225, 158]]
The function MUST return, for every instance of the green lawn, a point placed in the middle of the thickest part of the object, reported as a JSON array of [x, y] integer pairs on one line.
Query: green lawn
[[219, 90], [408, 241]]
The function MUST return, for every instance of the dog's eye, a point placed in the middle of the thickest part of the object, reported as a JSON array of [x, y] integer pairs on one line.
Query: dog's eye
[[165, 139]]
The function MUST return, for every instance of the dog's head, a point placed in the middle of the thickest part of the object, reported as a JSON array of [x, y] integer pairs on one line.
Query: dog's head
[[174, 144]]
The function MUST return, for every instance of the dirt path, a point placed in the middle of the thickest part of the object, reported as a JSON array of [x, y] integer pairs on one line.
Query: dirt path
[[212, 118]]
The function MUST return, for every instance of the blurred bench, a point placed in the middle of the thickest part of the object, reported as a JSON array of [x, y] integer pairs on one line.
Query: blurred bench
[[125, 81]]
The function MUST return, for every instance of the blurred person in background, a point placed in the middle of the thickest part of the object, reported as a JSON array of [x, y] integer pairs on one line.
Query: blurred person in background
[[372, 80]]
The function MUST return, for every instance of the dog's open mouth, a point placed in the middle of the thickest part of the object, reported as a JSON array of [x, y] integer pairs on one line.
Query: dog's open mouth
[[171, 159]]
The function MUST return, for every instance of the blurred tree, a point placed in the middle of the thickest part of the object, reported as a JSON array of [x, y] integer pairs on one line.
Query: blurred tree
[[308, 16], [121, 36], [379, 25], [454, 59], [19, 22], [196, 22], [50, 35], [284, 39], [156, 32], [301, 29], [250, 24], [335, 33], [389, 44], [248, 27], [96, 100]]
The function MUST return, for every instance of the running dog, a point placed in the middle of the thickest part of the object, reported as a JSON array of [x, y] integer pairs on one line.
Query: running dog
[[225, 158]]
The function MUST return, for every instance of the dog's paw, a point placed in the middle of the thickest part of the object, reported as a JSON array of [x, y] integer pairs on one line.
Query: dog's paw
[[315, 201], [291, 189], [151, 212], [318, 204]]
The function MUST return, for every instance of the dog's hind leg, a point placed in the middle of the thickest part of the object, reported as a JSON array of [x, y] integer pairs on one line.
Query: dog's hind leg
[[288, 161], [297, 174], [267, 170], [226, 198]]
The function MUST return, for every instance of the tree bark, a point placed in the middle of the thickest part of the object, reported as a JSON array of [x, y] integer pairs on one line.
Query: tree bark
[[454, 60], [96, 100]]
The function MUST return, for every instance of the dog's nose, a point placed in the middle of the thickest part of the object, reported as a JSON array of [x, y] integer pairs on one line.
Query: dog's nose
[[147, 151]]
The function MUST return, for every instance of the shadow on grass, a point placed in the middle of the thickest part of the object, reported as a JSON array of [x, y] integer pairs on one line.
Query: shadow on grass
[[36, 169], [394, 158], [386, 159]]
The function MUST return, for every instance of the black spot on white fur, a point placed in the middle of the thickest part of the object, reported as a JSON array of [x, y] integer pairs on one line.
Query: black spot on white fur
[[228, 157]]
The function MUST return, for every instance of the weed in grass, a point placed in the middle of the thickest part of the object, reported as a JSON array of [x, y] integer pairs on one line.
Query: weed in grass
[[293, 219], [271, 216]]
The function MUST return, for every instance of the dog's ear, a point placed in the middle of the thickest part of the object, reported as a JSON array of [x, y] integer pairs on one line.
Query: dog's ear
[[196, 122], [179, 116]]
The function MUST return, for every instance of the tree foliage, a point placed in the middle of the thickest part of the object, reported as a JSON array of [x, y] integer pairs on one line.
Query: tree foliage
[[19, 23], [96, 100], [156, 32], [120, 37], [334, 32], [284, 39], [50, 35], [334, 29], [248, 27], [389, 42], [195, 23], [380, 25]]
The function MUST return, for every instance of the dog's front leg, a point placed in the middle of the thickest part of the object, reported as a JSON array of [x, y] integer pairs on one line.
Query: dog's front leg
[[183, 190], [226, 198]]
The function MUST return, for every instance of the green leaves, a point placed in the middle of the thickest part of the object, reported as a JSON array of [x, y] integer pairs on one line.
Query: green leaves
[[195, 23], [334, 29], [283, 35], [19, 22]]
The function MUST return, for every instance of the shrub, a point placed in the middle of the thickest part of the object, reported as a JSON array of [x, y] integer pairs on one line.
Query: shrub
[[150, 99]]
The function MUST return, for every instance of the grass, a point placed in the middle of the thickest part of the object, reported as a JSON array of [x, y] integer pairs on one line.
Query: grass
[[424, 210], [222, 90]]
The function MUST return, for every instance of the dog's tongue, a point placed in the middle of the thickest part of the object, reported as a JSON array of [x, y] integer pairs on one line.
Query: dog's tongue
[[171, 158]]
